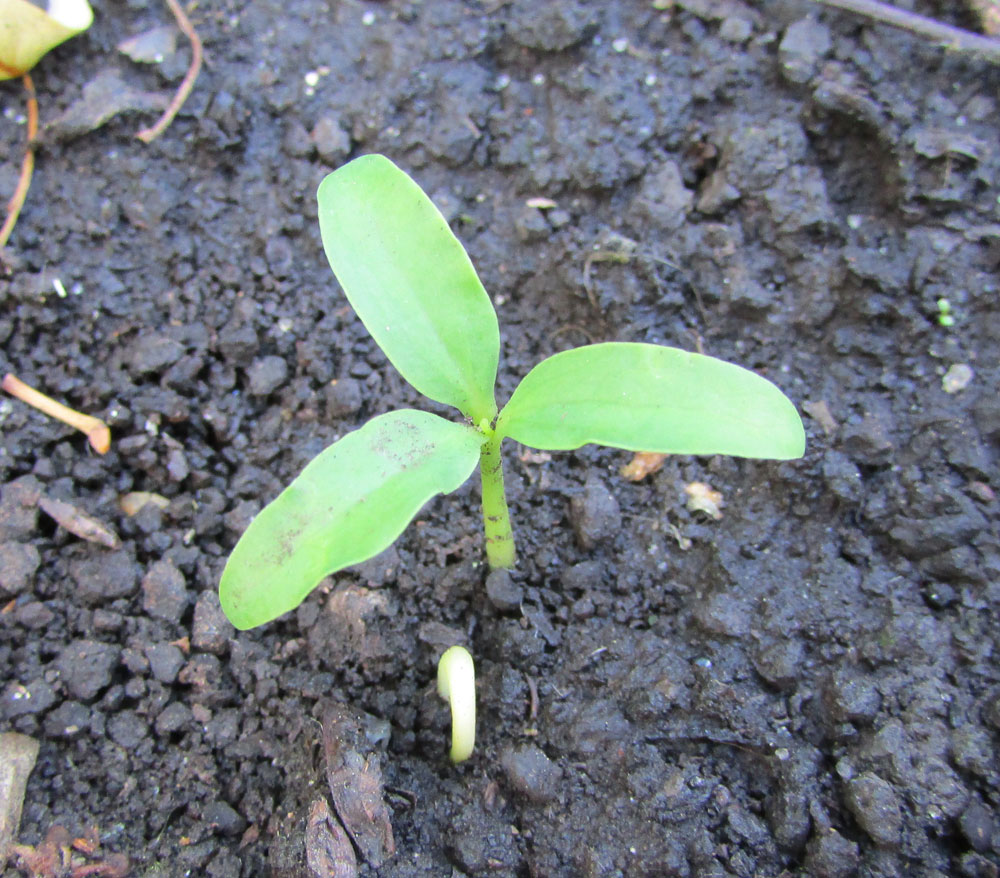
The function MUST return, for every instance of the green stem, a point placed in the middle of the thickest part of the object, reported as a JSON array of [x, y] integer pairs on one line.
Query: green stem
[[496, 518]]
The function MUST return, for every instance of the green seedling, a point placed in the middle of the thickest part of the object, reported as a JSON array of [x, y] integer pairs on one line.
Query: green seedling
[[946, 317], [414, 288], [457, 686]]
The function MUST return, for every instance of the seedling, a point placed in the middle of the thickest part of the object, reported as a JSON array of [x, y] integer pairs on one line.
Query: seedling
[[457, 685], [414, 288]]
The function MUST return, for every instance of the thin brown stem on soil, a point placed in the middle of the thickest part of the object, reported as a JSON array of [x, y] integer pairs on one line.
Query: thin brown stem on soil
[[95, 429], [27, 165], [148, 135], [950, 37]]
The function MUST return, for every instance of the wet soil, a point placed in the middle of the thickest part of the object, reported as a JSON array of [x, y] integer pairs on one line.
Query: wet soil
[[807, 685]]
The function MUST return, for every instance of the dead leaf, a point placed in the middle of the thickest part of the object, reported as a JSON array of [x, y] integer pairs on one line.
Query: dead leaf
[[642, 464], [17, 758], [79, 523], [329, 852], [355, 777], [702, 498]]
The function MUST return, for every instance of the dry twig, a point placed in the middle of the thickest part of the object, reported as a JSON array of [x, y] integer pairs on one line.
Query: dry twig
[[951, 37], [148, 135], [95, 429], [27, 165]]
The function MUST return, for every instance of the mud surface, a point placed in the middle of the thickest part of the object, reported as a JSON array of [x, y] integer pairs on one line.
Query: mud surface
[[807, 685]]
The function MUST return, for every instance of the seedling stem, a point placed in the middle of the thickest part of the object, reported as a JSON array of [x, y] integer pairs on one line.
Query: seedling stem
[[500, 550]]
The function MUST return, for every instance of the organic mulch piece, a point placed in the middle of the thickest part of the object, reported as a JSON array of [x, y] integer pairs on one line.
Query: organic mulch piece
[[702, 498], [79, 523], [58, 856], [17, 757], [354, 773], [132, 502], [329, 852], [643, 463]]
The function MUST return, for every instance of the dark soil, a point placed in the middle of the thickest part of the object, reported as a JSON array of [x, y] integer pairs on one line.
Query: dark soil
[[808, 685]]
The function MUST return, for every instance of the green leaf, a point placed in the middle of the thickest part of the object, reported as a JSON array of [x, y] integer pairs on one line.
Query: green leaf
[[412, 283], [645, 397], [348, 504]]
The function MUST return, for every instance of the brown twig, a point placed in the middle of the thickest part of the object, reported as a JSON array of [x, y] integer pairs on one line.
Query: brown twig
[[95, 429], [951, 37], [27, 165], [148, 135]]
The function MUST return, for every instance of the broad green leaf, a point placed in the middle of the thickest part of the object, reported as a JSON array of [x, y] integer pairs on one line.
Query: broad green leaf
[[348, 504], [412, 283], [645, 397]]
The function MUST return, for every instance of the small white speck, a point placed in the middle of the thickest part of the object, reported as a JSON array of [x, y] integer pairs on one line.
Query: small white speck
[[620, 45], [650, 79], [312, 79], [503, 80], [854, 221], [57, 285], [538, 79], [368, 19]]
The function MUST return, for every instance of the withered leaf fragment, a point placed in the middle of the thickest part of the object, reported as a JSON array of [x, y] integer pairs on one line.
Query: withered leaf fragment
[[354, 774], [329, 852]]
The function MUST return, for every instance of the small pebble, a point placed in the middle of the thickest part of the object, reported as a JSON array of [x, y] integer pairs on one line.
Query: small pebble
[[343, 397], [830, 855], [164, 592], [165, 661], [594, 514], [531, 773], [875, 806], [211, 630], [153, 353], [503, 592], [224, 818], [18, 563], [978, 827], [103, 576], [332, 142], [127, 729], [85, 667], [68, 720], [173, 718], [35, 697], [266, 375]]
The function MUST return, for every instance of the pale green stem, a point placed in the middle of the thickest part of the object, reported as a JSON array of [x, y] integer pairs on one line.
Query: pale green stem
[[496, 518], [457, 685]]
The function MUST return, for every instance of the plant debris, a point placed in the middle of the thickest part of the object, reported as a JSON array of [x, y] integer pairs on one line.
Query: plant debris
[[78, 523], [61, 856], [643, 463], [17, 758], [329, 852], [702, 498], [96, 430], [354, 774]]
